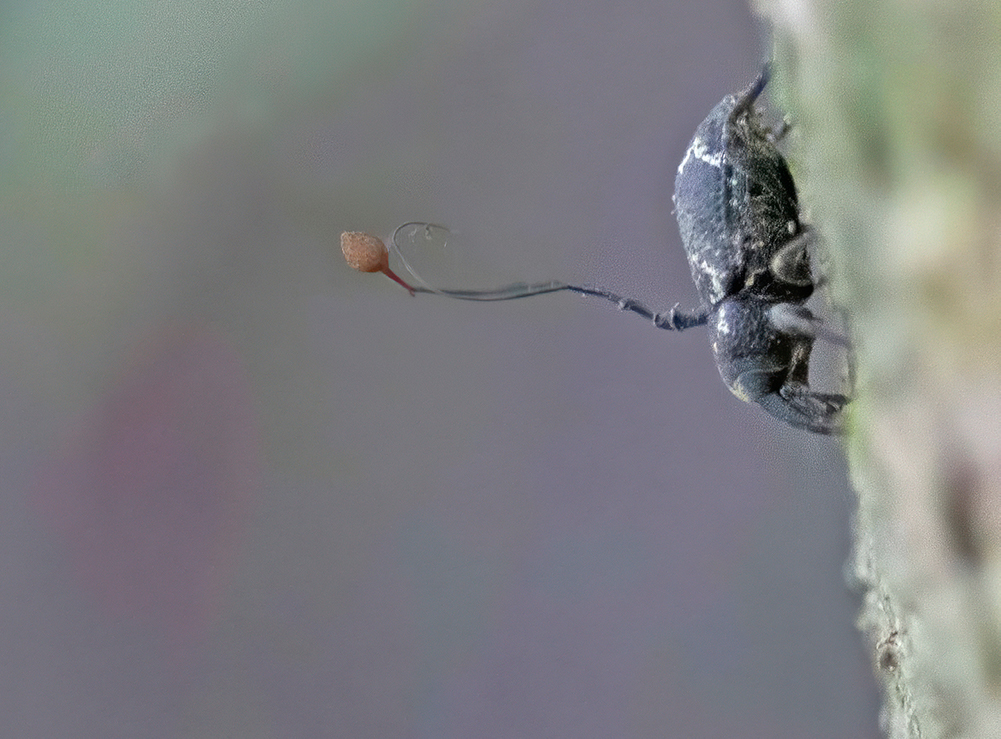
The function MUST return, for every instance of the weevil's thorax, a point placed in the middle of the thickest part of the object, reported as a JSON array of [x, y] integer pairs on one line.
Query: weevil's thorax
[[752, 355], [736, 207]]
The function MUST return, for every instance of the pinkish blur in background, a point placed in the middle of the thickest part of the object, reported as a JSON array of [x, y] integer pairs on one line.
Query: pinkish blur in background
[[249, 492]]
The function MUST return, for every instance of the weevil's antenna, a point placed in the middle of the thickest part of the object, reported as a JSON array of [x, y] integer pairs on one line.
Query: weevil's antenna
[[369, 254]]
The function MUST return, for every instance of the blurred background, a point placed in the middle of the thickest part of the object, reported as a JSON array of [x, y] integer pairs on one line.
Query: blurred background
[[248, 492]]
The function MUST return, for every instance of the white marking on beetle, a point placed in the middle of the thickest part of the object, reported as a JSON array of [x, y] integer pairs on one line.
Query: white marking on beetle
[[738, 389], [715, 278], [699, 150], [722, 325]]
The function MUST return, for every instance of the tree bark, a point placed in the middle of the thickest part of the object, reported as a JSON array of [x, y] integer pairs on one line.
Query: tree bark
[[896, 148]]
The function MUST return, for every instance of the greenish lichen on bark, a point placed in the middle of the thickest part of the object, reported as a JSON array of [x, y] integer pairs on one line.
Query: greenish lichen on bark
[[897, 151]]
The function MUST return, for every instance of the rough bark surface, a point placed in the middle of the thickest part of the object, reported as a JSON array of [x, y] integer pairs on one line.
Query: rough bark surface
[[897, 152]]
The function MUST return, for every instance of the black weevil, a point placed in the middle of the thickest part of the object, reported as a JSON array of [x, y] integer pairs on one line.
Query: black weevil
[[739, 220]]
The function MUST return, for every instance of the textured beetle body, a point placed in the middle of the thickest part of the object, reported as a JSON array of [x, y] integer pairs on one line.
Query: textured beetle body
[[736, 206], [738, 216]]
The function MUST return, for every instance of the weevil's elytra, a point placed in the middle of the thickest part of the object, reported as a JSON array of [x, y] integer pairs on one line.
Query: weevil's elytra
[[735, 201], [739, 221]]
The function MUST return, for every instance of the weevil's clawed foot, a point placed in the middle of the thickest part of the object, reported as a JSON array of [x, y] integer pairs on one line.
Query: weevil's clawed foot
[[794, 403]]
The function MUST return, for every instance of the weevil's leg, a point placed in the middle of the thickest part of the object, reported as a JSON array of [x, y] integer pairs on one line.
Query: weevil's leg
[[785, 393], [791, 263], [819, 257], [788, 262], [792, 402], [799, 406], [776, 135], [795, 404], [799, 366], [791, 318], [798, 320]]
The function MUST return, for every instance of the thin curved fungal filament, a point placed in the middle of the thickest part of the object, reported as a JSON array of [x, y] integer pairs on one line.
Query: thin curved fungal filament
[[367, 253]]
